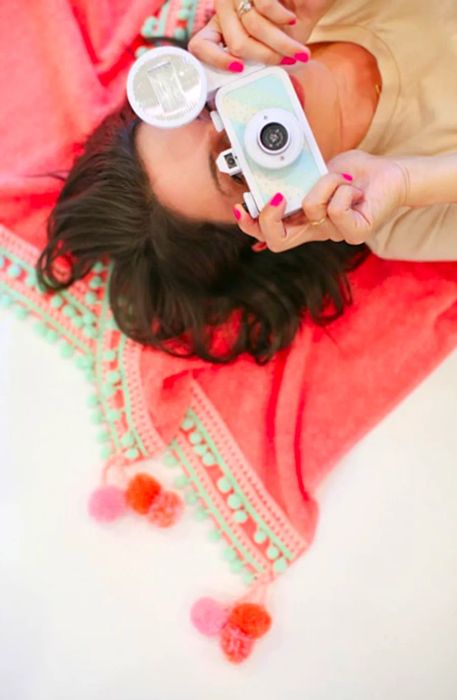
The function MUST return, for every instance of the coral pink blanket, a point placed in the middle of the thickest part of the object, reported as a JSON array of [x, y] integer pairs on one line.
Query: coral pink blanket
[[63, 68]]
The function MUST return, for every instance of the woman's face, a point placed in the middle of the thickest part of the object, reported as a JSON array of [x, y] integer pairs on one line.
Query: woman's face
[[181, 162]]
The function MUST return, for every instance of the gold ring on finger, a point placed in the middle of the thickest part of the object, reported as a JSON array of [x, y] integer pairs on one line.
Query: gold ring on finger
[[318, 223], [243, 7]]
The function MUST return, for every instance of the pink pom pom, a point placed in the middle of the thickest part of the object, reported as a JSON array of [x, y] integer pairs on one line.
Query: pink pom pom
[[208, 616], [107, 504]]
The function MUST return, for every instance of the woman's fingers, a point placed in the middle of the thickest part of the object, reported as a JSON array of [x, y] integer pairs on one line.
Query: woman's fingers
[[255, 38], [316, 201], [246, 223], [272, 36], [345, 211], [274, 11], [206, 45]]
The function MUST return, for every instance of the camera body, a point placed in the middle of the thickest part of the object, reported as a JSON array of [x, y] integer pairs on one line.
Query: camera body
[[272, 144]]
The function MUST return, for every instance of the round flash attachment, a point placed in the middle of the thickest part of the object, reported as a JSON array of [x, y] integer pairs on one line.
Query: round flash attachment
[[167, 87]]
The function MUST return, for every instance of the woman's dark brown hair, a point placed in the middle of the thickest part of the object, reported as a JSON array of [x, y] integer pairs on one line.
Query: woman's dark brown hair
[[173, 282]]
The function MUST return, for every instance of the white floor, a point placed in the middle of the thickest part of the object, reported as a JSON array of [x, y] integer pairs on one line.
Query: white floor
[[101, 613]]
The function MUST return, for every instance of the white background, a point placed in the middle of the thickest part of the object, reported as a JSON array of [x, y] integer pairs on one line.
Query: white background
[[91, 612]]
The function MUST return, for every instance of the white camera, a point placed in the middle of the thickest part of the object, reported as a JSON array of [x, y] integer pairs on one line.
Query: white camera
[[272, 145]]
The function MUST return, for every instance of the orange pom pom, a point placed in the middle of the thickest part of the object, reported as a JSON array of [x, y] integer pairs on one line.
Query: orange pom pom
[[235, 644], [250, 618], [141, 492]]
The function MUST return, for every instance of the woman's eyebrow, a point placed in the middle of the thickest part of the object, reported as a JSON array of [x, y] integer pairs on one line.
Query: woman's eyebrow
[[212, 169]]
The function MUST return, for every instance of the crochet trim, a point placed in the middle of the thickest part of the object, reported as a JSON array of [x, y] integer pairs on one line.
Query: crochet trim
[[259, 542]]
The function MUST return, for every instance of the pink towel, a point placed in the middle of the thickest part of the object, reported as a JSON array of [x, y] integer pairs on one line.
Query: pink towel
[[63, 68]]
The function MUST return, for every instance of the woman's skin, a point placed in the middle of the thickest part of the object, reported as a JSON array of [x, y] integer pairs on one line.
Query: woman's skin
[[339, 101]]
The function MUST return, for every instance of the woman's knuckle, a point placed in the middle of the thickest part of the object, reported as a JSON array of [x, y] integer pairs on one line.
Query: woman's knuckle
[[274, 246], [252, 23], [235, 46], [263, 6]]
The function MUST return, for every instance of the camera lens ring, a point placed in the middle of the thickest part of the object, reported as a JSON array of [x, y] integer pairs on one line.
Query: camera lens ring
[[273, 159], [273, 137]]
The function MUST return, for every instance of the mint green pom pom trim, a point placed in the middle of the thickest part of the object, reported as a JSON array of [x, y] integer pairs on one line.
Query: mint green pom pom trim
[[214, 535], [97, 418], [66, 350], [201, 514], [240, 516], [84, 362], [69, 311], [91, 298], [133, 453], [20, 312], [5, 301], [89, 331], [113, 377], [31, 279], [234, 501], [191, 497], [14, 271], [52, 336], [41, 328], [109, 355], [248, 577], [208, 459], [236, 565], [195, 438], [140, 51], [223, 484], [187, 424], [272, 552], [149, 25], [180, 33], [170, 460], [56, 301], [127, 440], [260, 537], [96, 283], [181, 481], [229, 554], [280, 565]]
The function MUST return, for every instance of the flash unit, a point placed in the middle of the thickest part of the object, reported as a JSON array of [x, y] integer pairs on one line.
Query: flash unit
[[167, 87]]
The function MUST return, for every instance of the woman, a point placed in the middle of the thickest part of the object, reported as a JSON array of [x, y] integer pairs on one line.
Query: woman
[[153, 203]]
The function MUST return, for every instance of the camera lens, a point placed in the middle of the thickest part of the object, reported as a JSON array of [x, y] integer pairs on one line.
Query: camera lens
[[274, 137]]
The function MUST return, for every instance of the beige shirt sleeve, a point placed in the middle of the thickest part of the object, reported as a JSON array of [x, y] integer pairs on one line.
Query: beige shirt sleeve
[[420, 234]]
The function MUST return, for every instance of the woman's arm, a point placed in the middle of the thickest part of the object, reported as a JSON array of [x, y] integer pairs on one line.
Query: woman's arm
[[430, 179], [402, 208]]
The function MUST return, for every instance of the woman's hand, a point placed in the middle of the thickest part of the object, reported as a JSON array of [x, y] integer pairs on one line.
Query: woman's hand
[[263, 34], [349, 204]]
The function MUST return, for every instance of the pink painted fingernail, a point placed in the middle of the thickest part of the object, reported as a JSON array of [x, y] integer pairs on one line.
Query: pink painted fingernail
[[347, 177], [276, 200], [257, 247], [302, 56], [286, 61], [236, 67], [236, 214], [292, 22]]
